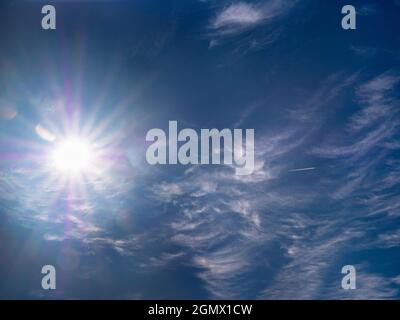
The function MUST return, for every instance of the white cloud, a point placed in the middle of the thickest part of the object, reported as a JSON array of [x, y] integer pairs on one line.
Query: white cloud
[[241, 16], [309, 257], [377, 103], [221, 220], [370, 286], [238, 14], [375, 89]]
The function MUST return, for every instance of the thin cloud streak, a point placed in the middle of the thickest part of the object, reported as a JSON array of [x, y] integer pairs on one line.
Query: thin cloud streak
[[302, 169]]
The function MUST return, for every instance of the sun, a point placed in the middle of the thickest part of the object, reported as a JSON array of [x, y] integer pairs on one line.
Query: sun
[[72, 156]]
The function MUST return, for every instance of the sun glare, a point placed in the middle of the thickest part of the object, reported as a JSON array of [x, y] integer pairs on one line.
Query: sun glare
[[72, 156]]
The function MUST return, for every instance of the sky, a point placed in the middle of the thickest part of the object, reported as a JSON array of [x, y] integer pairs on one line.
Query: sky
[[324, 104]]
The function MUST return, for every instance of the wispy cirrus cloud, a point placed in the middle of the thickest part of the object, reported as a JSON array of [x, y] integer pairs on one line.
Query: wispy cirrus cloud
[[377, 103], [222, 220], [239, 17], [370, 286], [375, 97], [270, 227]]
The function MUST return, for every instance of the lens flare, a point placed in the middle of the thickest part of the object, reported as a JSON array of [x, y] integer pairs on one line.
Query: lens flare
[[72, 156]]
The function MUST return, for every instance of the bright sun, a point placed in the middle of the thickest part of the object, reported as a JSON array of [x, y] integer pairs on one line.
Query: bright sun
[[72, 156]]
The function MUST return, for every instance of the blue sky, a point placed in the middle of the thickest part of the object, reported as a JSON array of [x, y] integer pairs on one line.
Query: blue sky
[[318, 97]]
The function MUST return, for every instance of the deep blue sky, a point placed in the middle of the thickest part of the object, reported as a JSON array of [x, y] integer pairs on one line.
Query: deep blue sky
[[317, 96]]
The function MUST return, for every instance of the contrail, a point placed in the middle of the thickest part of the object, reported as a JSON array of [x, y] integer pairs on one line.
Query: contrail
[[302, 169]]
